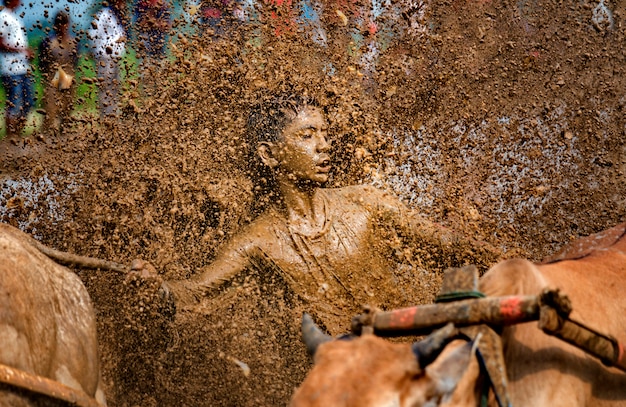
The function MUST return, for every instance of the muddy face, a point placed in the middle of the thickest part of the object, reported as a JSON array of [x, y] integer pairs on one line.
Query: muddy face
[[301, 153]]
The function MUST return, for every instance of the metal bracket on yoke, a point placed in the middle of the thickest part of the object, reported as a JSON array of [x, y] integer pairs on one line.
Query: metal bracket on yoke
[[365, 321], [459, 284]]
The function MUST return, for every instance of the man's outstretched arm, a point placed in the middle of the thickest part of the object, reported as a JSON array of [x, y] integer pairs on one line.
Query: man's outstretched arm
[[210, 278], [450, 246], [231, 260]]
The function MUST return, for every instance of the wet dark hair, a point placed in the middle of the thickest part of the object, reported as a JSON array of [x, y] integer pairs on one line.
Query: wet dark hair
[[61, 18], [268, 119]]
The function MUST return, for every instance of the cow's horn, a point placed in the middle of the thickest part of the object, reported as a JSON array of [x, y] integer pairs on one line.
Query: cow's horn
[[427, 350], [312, 334]]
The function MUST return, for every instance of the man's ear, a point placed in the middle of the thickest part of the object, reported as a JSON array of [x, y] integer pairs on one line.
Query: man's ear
[[265, 152]]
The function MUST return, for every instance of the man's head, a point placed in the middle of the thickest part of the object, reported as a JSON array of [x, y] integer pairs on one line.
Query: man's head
[[269, 118], [290, 133], [61, 22], [12, 4]]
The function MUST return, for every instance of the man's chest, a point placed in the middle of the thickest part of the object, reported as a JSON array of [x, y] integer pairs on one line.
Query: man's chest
[[345, 240]]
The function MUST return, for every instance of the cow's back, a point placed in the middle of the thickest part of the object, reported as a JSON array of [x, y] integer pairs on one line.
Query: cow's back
[[545, 371], [47, 323]]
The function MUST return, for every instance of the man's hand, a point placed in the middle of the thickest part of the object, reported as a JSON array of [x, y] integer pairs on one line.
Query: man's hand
[[143, 271]]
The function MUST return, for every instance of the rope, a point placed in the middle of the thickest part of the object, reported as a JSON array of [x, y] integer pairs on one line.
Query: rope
[[69, 259]]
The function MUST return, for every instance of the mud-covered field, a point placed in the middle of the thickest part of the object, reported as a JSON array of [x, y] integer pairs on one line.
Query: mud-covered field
[[501, 120]]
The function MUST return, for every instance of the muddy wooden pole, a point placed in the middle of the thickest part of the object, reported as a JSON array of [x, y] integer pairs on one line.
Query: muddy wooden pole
[[604, 347], [423, 319]]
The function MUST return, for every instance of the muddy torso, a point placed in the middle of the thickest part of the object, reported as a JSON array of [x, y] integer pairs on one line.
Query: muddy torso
[[341, 267]]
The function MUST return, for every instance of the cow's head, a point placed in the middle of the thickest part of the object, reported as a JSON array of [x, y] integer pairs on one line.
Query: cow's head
[[368, 371]]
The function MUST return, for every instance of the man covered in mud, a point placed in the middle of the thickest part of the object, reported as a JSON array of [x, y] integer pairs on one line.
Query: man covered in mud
[[337, 248]]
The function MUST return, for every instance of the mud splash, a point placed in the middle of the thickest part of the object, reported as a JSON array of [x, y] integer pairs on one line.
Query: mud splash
[[503, 120]]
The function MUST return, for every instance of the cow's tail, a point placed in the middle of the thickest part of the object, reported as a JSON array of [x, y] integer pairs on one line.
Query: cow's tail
[[70, 259]]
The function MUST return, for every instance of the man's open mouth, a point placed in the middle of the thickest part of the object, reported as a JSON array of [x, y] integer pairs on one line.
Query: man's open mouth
[[324, 165]]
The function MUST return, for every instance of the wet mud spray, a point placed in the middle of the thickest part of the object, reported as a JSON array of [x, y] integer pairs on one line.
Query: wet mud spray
[[502, 120]]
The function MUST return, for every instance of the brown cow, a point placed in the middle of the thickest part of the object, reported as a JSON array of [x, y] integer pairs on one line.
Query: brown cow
[[47, 323], [542, 370], [369, 371]]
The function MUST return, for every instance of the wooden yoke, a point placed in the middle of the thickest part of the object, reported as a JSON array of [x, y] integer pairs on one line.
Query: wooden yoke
[[452, 306], [461, 303]]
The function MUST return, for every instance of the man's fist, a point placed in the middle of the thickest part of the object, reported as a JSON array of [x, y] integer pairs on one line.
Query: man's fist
[[143, 273], [143, 269]]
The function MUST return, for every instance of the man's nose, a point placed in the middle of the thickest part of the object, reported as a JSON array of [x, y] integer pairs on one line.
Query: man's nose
[[322, 143]]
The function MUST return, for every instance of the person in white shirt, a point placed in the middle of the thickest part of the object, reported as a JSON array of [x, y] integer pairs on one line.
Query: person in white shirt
[[15, 69], [108, 40]]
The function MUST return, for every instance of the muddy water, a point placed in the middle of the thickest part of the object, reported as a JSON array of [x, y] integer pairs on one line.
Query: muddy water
[[502, 120]]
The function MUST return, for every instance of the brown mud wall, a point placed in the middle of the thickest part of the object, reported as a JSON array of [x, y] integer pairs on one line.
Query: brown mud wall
[[504, 121]]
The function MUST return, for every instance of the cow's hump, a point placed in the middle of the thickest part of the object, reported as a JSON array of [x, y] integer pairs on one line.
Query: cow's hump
[[586, 245]]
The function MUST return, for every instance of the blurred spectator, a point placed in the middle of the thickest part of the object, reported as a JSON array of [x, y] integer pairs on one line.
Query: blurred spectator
[[268, 20], [152, 24], [15, 68], [281, 16], [108, 38], [223, 17], [310, 23], [58, 58]]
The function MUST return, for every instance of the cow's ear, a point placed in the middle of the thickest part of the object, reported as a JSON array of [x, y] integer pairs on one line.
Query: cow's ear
[[447, 371]]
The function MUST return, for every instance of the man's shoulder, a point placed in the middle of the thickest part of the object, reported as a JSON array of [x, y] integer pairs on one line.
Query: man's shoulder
[[265, 220], [357, 193], [259, 232], [368, 197]]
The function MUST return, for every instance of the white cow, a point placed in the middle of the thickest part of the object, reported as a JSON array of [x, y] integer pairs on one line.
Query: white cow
[[47, 323]]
